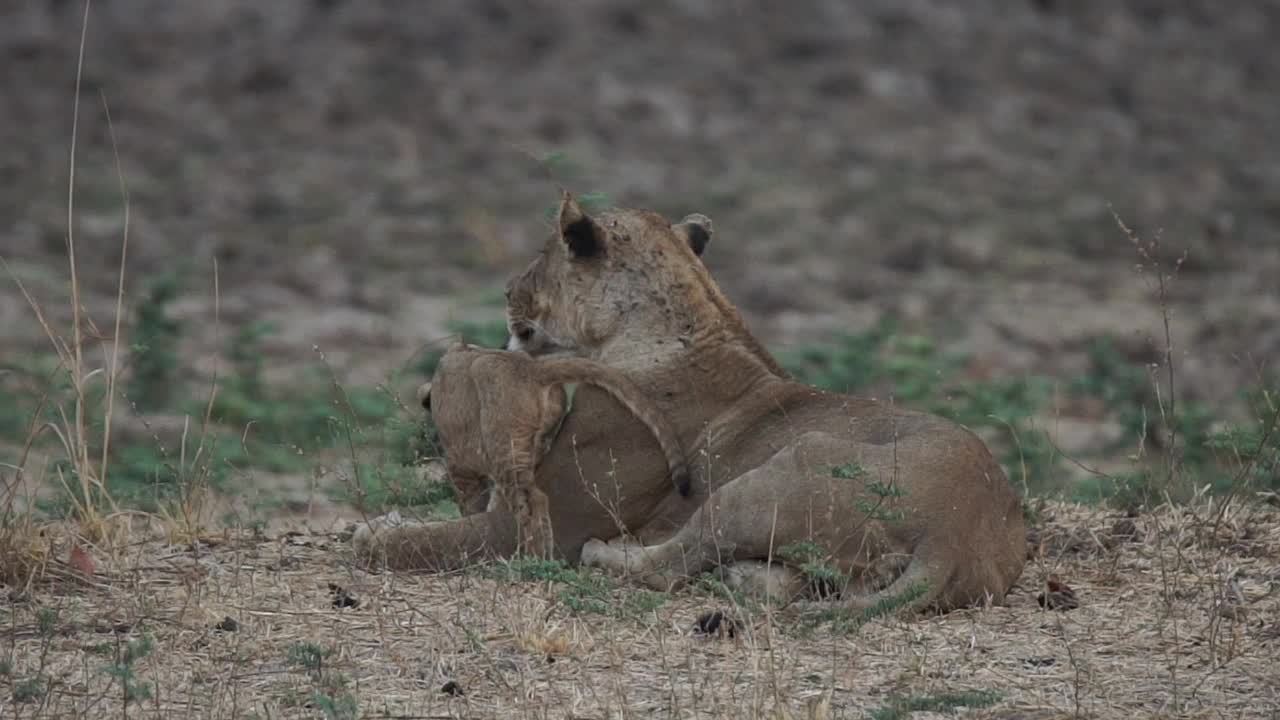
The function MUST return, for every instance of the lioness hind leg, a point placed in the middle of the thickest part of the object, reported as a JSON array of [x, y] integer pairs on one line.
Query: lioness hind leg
[[735, 523], [445, 545]]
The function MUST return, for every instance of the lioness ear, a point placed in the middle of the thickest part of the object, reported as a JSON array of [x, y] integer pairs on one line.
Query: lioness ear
[[424, 396], [577, 230], [696, 230]]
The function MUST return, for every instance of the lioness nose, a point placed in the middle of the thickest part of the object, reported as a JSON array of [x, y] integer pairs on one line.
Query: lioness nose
[[424, 396]]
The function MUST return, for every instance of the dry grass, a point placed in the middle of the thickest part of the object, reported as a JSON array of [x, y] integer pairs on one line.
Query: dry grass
[[516, 650]]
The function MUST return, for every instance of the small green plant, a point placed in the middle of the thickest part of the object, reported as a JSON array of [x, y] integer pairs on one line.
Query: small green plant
[[1124, 388], [852, 363], [1124, 491], [1256, 452], [29, 690], [330, 694], [582, 592], [712, 585], [376, 487], [851, 470], [814, 562], [844, 621], [155, 347], [900, 708], [16, 404], [638, 602], [247, 359], [413, 440], [46, 622], [342, 707], [877, 509], [122, 670], [308, 656]]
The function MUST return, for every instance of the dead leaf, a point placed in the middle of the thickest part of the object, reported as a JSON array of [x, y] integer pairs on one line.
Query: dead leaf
[[80, 561]]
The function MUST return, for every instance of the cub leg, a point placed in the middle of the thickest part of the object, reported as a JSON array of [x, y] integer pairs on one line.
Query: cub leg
[[532, 511]]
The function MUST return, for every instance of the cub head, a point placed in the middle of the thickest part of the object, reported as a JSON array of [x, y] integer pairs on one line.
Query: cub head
[[624, 271]]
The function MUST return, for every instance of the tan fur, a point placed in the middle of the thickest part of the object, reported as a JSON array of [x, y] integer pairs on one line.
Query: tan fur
[[627, 289], [495, 411]]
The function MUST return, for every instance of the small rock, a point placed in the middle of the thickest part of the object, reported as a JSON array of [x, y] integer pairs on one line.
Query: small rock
[[1125, 528], [452, 688], [227, 624], [716, 623], [1059, 596], [342, 598]]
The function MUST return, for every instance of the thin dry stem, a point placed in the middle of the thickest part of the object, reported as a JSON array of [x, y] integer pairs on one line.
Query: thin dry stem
[[124, 254]]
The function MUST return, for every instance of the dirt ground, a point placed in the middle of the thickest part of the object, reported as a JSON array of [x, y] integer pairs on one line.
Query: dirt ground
[[1174, 620], [361, 174]]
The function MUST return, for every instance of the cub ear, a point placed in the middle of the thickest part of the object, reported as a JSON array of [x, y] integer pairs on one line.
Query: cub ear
[[578, 230], [696, 230]]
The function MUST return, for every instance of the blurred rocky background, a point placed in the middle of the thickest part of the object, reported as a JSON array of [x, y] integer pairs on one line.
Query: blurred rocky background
[[364, 175]]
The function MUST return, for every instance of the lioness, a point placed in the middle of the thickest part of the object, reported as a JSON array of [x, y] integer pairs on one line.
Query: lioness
[[780, 463], [879, 491], [495, 411]]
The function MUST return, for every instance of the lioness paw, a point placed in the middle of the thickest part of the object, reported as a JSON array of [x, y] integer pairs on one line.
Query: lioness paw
[[595, 552], [364, 537]]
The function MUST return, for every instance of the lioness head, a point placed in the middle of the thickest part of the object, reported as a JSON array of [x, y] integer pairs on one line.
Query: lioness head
[[598, 276]]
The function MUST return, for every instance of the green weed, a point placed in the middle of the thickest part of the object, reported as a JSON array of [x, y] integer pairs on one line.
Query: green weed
[[123, 671], [582, 591], [900, 708], [814, 561], [154, 355], [308, 656], [29, 690], [851, 470], [376, 487], [844, 621]]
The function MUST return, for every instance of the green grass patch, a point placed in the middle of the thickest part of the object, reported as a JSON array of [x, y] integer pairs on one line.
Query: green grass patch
[[900, 708], [580, 590]]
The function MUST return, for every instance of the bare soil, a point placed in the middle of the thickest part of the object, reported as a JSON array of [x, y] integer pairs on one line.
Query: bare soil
[[363, 171]]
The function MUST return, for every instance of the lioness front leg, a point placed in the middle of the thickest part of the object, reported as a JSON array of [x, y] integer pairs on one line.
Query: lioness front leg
[[437, 546]]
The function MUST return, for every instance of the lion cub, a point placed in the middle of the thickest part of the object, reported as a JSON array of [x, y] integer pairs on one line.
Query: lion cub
[[497, 413]]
